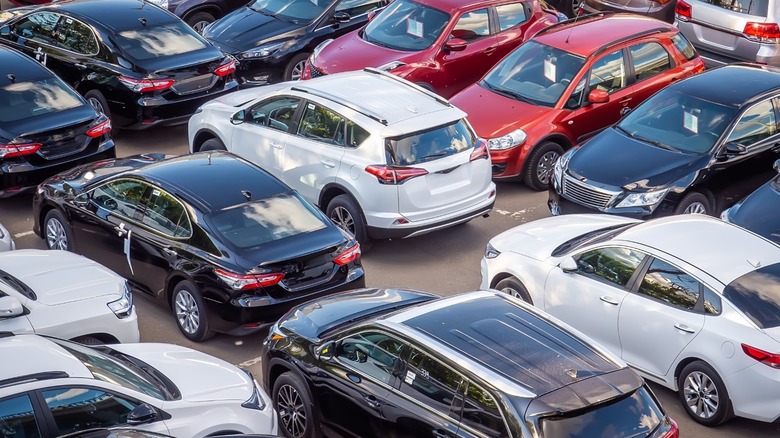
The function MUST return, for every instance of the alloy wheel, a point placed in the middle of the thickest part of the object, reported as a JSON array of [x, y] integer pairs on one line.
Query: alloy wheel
[[512, 291], [295, 75], [701, 395], [576, 5], [187, 313], [343, 219], [291, 410], [96, 105], [695, 208], [55, 235], [545, 167], [199, 26]]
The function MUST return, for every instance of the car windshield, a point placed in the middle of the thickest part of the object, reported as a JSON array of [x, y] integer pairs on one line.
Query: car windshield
[[25, 100], [429, 145], [596, 236], [757, 295], [165, 40], [534, 73], [259, 222], [291, 10], [675, 120], [406, 25]]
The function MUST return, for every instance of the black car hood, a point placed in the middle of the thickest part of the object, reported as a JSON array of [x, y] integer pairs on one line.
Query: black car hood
[[616, 160], [244, 29], [760, 212], [47, 122], [87, 174]]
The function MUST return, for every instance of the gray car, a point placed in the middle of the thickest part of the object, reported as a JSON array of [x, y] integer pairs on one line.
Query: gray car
[[660, 9]]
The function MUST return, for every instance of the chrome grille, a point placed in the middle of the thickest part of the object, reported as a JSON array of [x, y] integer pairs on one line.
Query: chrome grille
[[586, 194]]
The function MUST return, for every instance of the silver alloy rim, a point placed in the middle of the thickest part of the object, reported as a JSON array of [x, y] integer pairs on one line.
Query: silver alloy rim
[[187, 312], [298, 70], [575, 7], [200, 25], [55, 235], [701, 395], [513, 292], [695, 208], [545, 167], [291, 410], [96, 105], [343, 219]]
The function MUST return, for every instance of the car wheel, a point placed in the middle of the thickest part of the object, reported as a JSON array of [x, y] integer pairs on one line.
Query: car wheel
[[57, 232], [293, 403], [703, 394], [694, 203], [295, 67], [540, 164], [190, 312], [212, 144], [97, 101], [199, 21], [344, 213], [514, 287]]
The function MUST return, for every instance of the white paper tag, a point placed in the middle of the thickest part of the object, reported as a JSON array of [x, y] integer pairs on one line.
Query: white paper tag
[[410, 376], [155, 192], [549, 70], [690, 122], [414, 28], [310, 106]]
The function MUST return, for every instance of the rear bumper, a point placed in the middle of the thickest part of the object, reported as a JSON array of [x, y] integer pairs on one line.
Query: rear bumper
[[717, 55], [416, 228]]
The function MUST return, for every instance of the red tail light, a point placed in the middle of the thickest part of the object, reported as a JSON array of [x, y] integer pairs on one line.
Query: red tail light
[[100, 129], [350, 254], [226, 68], [674, 432], [18, 150], [146, 85], [766, 358], [248, 281], [763, 32], [480, 151], [683, 10], [394, 174]]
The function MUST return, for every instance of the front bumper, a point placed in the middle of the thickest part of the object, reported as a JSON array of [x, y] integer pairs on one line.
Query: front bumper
[[509, 163], [260, 71], [559, 205]]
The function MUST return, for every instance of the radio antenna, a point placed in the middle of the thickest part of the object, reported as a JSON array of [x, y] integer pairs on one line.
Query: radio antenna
[[576, 17]]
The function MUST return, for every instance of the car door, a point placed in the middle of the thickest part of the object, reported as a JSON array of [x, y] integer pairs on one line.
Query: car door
[[77, 46], [512, 20], [653, 68], [34, 34], [589, 298], [19, 419], [663, 315]]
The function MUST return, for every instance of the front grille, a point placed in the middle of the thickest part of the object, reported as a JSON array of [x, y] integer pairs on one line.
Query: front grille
[[315, 72], [586, 194], [195, 84]]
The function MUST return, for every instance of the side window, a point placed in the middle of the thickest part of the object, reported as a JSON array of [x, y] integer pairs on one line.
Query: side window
[[38, 27], [684, 46], [472, 25], [355, 134], [433, 383], [276, 113], [76, 36], [615, 265], [667, 283], [480, 412], [357, 7], [756, 124], [17, 418], [373, 353], [649, 59], [608, 73], [76, 409], [510, 16], [166, 214], [124, 197], [322, 124]]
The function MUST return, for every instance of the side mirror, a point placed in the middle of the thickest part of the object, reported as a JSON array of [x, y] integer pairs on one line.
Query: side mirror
[[777, 166], [340, 17], [81, 201], [598, 96], [142, 413], [10, 307], [568, 265], [238, 118], [455, 45], [5, 30], [733, 149], [325, 351]]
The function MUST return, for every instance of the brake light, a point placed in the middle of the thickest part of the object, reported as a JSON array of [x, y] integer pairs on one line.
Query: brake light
[[248, 281], [350, 254], [18, 150], [674, 431], [683, 10], [766, 358], [146, 85], [101, 128], [226, 68], [394, 174], [763, 32], [480, 151]]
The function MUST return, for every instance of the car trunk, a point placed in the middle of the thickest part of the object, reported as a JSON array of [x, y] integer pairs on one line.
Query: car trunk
[[60, 135], [193, 73], [720, 29]]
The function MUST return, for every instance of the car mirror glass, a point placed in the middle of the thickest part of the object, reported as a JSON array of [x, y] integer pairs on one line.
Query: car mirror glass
[[81, 200], [568, 264], [325, 351], [142, 413], [455, 45], [238, 117], [10, 307]]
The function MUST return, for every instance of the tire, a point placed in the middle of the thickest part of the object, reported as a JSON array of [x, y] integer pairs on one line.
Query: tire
[[199, 20], [539, 164], [190, 312], [97, 101], [56, 231], [293, 403], [343, 211], [212, 144], [514, 287], [698, 403], [295, 67], [694, 203]]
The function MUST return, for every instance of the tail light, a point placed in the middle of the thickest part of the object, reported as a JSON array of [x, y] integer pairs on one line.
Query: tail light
[[101, 128], [248, 281], [674, 431], [766, 358], [763, 32], [18, 150], [226, 68], [683, 10], [394, 175], [146, 85], [480, 151], [350, 254], [662, 2]]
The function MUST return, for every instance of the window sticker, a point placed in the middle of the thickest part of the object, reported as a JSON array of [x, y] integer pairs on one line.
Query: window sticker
[[410, 376], [68, 21], [310, 106], [414, 28], [155, 192], [549, 70], [690, 122]]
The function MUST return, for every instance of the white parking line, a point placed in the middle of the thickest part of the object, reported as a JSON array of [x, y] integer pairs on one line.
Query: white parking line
[[250, 362], [26, 233]]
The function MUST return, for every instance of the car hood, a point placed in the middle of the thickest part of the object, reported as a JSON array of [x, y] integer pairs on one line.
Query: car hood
[[616, 160], [352, 52], [198, 376], [244, 29], [59, 277], [760, 211], [79, 176]]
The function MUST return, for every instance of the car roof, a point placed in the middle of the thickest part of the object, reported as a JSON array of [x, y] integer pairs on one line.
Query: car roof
[[21, 66], [36, 355], [116, 15], [738, 85]]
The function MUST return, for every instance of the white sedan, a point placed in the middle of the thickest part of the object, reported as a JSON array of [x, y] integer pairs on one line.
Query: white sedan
[[6, 241], [689, 301]]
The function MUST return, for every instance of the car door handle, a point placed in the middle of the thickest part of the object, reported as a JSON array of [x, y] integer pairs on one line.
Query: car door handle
[[170, 251], [276, 145], [609, 300], [490, 50], [372, 401], [328, 163], [625, 100], [80, 66], [121, 230], [684, 328]]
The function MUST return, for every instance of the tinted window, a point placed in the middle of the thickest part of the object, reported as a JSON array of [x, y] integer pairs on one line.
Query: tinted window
[[608, 73], [472, 25], [26, 100], [321, 124], [666, 283], [373, 353], [615, 265], [295, 10], [430, 145], [649, 59], [166, 214], [77, 37], [38, 26], [480, 411], [76, 409], [510, 15], [433, 383], [276, 113], [757, 294], [17, 418], [355, 134], [406, 25], [756, 124], [749, 7], [165, 40], [357, 7], [124, 197], [684, 46]]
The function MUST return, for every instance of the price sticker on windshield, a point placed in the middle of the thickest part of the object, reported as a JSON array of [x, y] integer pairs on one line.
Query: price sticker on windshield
[[549, 70], [690, 122], [414, 28]]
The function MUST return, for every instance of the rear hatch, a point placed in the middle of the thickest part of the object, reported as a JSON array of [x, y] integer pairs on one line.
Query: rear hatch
[[719, 26]]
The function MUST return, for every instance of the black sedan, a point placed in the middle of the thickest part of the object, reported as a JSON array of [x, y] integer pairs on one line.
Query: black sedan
[[224, 244], [273, 38], [137, 63], [679, 150], [45, 126], [760, 211]]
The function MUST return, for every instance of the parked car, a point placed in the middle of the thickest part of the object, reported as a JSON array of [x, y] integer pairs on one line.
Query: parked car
[[273, 38], [137, 63], [759, 211], [567, 83], [393, 362], [441, 45], [62, 294], [678, 149], [55, 387], [45, 126], [226, 246], [659, 9], [123, 432], [690, 302], [382, 157], [724, 32], [6, 240]]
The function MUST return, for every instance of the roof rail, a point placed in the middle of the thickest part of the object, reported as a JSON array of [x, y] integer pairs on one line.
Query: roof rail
[[631, 37], [401, 80], [576, 19], [45, 375], [330, 96]]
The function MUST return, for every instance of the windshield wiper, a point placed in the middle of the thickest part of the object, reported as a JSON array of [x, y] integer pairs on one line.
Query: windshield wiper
[[506, 93], [624, 131], [435, 155], [657, 143]]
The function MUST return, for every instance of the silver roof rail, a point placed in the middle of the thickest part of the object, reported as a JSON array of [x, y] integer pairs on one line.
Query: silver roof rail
[[332, 97]]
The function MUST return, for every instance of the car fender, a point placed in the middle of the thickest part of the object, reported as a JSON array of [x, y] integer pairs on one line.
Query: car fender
[[530, 272]]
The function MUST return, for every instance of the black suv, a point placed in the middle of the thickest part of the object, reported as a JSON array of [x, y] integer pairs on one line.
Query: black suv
[[389, 362]]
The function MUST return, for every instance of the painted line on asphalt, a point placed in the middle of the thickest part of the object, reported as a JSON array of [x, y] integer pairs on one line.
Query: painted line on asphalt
[[250, 362], [26, 233]]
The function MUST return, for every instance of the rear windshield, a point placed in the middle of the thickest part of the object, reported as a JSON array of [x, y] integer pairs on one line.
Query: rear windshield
[[749, 7], [25, 100], [165, 40], [429, 145], [634, 416], [264, 221], [757, 295]]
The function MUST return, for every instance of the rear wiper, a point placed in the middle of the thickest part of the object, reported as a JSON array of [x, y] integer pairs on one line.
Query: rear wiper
[[435, 155]]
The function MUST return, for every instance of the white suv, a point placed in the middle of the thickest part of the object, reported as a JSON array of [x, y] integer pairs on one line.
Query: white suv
[[381, 156]]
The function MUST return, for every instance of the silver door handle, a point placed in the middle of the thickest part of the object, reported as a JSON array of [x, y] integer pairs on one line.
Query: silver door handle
[[609, 300], [684, 328], [169, 251], [276, 145], [372, 401], [121, 230], [328, 163], [80, 65]]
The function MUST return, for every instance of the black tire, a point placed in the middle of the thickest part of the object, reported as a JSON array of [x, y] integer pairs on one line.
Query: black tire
[[293, 403], [514, 287], [694, 203], [199, 20], [88, 340], [190, 312], [56, 231], [295, 67], [343, 211], [97, 101], [698, 403], [213, 144], [539, 164]]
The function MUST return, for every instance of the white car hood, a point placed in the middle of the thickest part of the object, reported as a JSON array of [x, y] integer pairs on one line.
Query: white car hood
[[199, 376]]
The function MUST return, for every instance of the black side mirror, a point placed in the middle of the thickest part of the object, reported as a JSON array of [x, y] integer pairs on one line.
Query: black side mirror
[[142, 413], [5, 30], [81, 201], [733, 149], [340, 17], [238, 118], [326, 351]]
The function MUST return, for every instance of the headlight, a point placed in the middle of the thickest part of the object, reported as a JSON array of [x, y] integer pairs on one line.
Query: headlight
[[725, 215], [261, 51], [392, 65], [256, 400], [561, 165], [510, 140], [643, 199], [122, 307], [319, 48], [490, 252], [730, 212]]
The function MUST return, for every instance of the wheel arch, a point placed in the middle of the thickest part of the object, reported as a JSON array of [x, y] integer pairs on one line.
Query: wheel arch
[[687, 361], [212, 9], [173, 279], [331, 190], [201, 136]]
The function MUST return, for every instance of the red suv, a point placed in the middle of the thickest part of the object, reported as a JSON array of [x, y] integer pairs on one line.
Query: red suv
[[442, 45], [567, 83]]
